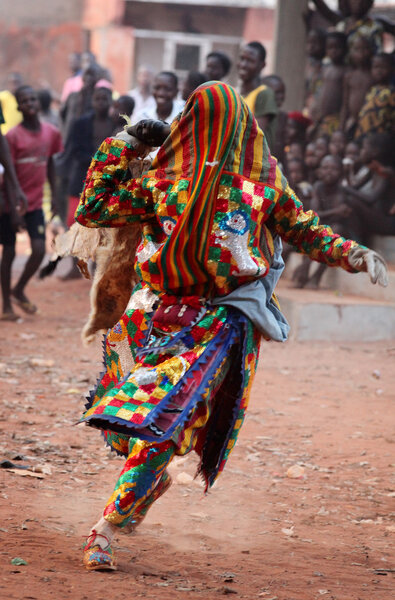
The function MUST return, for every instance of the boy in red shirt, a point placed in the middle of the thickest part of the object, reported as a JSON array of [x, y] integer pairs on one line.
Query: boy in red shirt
[[32, 146]]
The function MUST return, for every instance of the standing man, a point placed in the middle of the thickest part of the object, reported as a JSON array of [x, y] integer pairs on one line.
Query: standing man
[[32, 146], [259, 98]]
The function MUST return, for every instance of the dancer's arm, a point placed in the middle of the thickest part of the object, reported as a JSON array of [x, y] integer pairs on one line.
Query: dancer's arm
[[110, 198], [303, 231]]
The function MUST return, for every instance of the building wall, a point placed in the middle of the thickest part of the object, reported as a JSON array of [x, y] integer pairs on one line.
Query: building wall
[[99, 13], [40, 13], [37, 42], [259, 26], [197, 19], [114, 48]]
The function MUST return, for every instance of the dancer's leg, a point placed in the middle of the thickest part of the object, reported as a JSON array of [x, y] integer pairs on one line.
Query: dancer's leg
[[142, 480], [143, 471]]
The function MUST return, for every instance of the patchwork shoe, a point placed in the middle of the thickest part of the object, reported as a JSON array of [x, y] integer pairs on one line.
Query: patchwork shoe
[[97, 558]]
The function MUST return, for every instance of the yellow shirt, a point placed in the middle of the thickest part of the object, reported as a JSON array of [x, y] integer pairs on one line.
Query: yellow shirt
[[12, 116]]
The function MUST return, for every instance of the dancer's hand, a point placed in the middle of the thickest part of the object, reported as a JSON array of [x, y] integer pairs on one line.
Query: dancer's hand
[[364, 259], [150, 131]]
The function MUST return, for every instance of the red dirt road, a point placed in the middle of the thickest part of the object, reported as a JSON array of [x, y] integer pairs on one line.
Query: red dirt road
[[258, 533]]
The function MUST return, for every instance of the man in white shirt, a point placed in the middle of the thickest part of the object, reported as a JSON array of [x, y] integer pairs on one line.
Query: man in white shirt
[[165, 90]]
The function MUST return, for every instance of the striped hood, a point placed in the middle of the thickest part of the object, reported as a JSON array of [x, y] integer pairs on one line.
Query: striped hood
[[215, 133]]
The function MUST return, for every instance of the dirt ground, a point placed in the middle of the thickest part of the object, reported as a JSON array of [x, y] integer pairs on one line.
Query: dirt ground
[[259, 533]]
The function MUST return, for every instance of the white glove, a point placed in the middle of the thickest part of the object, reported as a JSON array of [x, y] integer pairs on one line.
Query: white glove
[[368, 260]]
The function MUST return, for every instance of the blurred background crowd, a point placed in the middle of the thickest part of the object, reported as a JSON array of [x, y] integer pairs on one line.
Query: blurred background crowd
[[335, 143]]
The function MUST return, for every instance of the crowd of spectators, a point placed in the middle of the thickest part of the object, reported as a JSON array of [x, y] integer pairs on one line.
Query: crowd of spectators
[[338, 152]]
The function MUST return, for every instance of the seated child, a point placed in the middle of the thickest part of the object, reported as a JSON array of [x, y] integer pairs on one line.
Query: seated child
[[377, 114], [321, 145], [304, 190], [312, 163], [337, 143], [296, 127], [329, 202], [298, 182], [355, 173], [295, 136], [372, 203], [295, 150]]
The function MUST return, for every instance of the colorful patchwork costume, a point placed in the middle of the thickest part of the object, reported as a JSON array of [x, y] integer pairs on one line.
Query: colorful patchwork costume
[[179, 364]]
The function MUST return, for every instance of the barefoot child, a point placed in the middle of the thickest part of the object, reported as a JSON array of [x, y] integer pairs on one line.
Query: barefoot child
[[331, 93], [32, 146], [328, 194], [315, 46], [329, 203], [17, 204], [357, 82]]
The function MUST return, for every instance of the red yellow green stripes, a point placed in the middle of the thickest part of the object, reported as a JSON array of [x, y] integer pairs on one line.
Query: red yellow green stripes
[[215, 132]]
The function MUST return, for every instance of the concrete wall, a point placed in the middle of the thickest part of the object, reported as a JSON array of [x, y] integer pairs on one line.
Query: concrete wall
[[290, 50]]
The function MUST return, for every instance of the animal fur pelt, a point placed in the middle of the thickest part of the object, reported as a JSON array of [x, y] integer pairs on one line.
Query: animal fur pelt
[[113, 250]]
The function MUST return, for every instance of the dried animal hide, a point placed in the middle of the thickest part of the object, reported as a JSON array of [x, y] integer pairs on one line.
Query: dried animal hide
[[113, 251]]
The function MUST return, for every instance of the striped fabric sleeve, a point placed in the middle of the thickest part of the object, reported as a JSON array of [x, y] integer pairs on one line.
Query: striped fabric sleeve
[[110, 198], [305, 233]]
